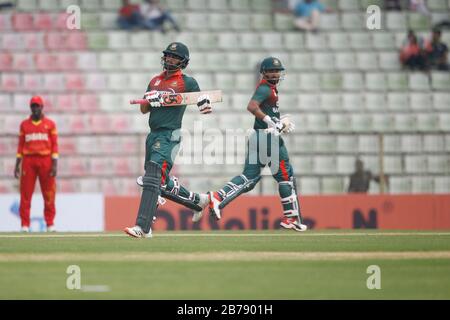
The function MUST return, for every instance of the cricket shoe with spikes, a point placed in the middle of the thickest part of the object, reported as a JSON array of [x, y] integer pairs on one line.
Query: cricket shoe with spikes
[[204, 201], [137, 232], [214, 202], [293, 223]]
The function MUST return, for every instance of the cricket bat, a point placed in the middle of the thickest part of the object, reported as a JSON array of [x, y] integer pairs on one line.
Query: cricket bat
[[177, 99]]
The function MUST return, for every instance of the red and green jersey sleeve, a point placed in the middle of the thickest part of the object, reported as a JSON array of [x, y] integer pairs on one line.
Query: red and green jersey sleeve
[[267, 97], [170, 117]]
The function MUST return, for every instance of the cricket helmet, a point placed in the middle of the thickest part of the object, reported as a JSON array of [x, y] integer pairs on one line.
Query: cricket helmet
[[179, 50], [272, 63]]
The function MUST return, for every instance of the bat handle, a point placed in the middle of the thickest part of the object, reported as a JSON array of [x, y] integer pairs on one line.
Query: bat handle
[[138, 101]]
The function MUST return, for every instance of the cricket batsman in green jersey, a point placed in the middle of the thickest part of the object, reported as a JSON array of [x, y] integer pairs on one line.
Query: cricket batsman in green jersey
[[163, 142], [265, 147]]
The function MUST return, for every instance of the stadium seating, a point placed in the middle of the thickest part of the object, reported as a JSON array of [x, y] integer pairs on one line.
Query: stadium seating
[[344, 86]]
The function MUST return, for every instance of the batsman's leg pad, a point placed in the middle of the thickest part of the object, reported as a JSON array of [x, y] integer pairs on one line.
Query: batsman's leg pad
[[175, 192], [289, 198], [235, 190], [149, 199]]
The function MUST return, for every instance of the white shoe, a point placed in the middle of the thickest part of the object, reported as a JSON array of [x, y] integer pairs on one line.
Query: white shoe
[[293, 223], [136, 232], [204, 201], [214, 203], [25, 229]]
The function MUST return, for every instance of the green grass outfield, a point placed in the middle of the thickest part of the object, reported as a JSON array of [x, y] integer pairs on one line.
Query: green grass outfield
[[227, 265]]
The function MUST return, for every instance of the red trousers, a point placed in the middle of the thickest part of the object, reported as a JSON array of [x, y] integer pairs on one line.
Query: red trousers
[[33, 167]]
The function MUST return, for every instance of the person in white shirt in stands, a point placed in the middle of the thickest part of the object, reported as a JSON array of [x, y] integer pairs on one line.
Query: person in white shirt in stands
[[154, 16]]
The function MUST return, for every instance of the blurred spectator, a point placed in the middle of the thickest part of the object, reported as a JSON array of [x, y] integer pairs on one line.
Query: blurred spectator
[[5, 5], [360, 179], [307, 14], [411, 54], [436, 52], [392, 5], [154, 16], [129, 16], [419, 6]]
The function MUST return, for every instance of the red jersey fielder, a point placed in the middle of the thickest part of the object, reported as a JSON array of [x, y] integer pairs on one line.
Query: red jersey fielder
[[37, 156]]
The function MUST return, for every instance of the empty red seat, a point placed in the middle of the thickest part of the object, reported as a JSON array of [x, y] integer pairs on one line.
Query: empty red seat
[[33, 81], [66, 185], [87, 102], [129, 145], [125, 165], [23, 21], [65, 102], [8, 146], [23, 62], [6, 61], [54, 82], [43, 21], [75, 81], [100, 166], [46, 61], [121, 123], [55, 40], [67, 146], [109, 145], [5, 102], [60, 22], [12, 123], [21, 102], [12, 41], [100, 123], [78, 166], [109, 187], [10, 82], [78, 124], [33, 41], [67, 61], [76, 40], [96, 81]]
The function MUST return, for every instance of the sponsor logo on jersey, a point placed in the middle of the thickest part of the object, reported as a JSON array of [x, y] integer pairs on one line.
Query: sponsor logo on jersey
[[157, 145], [36, 137], [157, 82]]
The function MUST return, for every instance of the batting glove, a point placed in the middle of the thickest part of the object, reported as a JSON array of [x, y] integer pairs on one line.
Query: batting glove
[[154, 98], [289, 125], [204, 104], [275, 126]]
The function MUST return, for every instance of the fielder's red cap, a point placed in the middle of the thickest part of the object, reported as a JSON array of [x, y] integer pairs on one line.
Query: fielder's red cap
[[37, 100]]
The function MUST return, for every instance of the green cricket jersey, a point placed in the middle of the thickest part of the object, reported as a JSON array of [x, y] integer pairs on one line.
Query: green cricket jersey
[[170, 117], [267, 95]]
